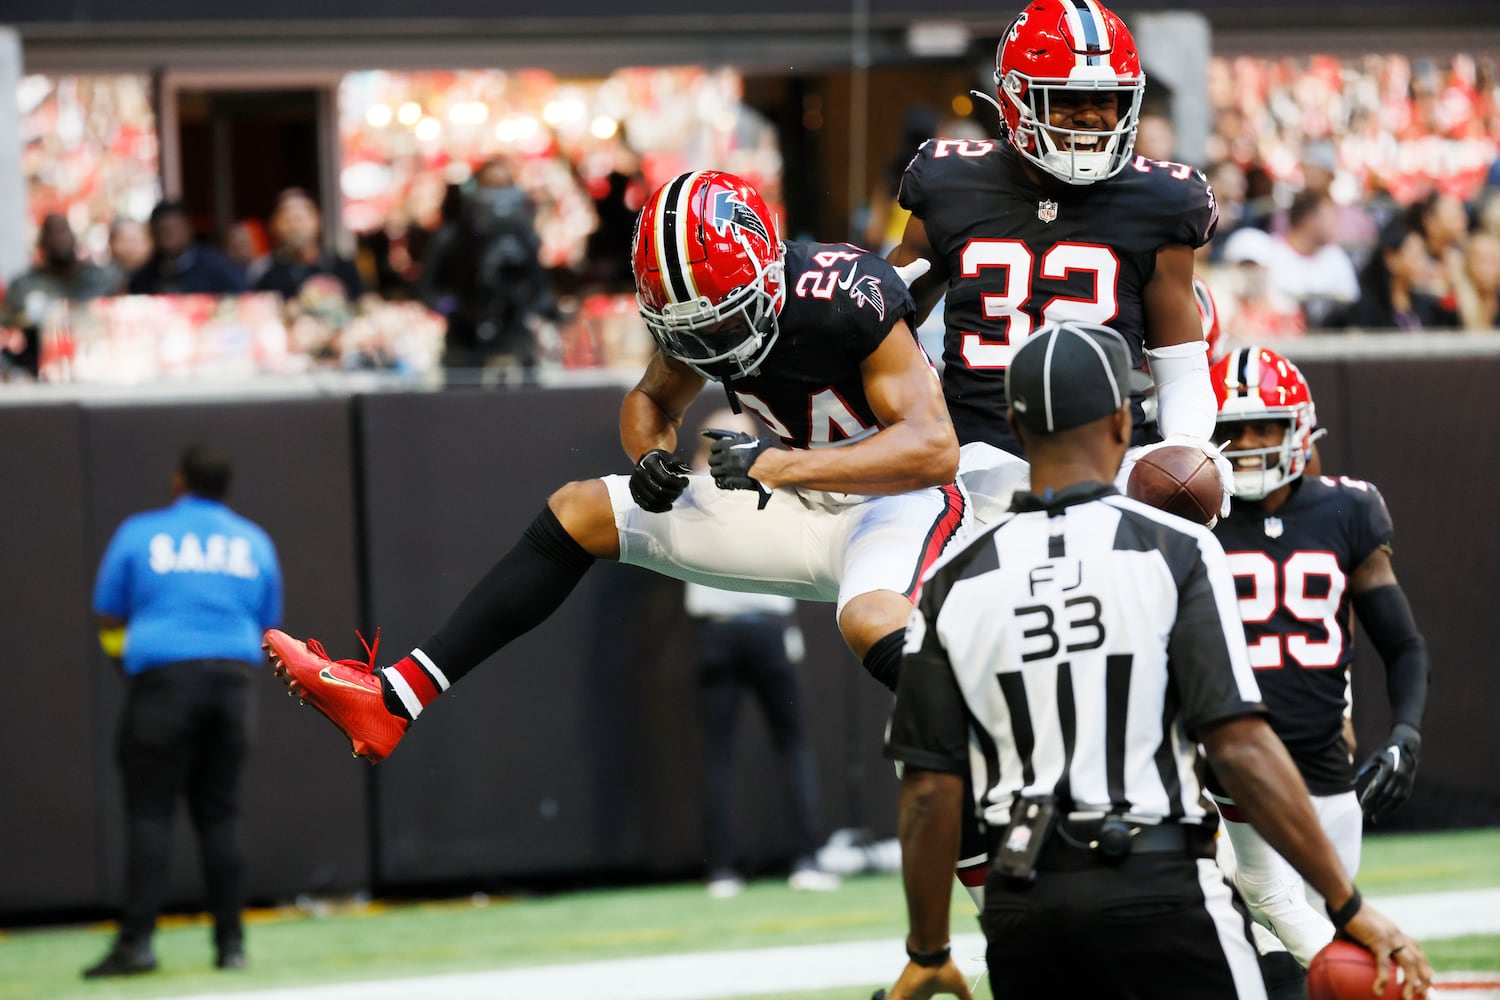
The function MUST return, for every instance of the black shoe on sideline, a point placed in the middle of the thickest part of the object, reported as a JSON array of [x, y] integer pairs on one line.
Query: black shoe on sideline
[[122, 961], [231, 959]]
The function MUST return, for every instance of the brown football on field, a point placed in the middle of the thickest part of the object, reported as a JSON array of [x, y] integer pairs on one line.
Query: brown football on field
[[1179, 479], [1344, 970]]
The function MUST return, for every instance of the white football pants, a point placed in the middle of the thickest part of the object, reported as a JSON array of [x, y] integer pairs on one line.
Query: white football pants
[[1279, 899]]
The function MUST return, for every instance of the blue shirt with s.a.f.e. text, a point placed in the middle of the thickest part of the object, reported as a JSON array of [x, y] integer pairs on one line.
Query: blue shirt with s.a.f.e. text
[[191, 581]]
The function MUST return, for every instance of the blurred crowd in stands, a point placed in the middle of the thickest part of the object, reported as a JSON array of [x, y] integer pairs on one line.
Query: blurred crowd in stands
[[1354, 194], [1357, 194]]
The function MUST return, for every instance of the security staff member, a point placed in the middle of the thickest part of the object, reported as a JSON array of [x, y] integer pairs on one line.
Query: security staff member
[[183, 596], [1071, 656]]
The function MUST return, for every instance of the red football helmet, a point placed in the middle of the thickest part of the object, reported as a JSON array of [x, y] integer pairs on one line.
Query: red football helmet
[[709, 273], [1208, 312], [1254, 383], [1059, 45]]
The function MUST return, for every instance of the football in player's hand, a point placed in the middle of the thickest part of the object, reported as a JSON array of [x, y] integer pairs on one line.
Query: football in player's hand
[[1180, 479], [1344, 970]]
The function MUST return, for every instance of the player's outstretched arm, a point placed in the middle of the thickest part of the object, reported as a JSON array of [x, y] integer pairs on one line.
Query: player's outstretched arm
[[652, 412], [1387, 776], [930, 287], [1185, 404], [914, 449]]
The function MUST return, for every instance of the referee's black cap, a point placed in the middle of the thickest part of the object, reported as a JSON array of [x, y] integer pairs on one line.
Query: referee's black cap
[[1067, 375]]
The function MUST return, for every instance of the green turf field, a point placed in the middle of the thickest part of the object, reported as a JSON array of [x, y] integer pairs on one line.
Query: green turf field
[[377, 942]]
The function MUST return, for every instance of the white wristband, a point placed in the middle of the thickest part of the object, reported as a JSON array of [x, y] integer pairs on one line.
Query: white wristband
[[1185, 402]]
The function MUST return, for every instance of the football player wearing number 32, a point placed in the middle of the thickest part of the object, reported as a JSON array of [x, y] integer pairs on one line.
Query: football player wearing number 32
[[1304, 549], [1060, 221], [812, 338]]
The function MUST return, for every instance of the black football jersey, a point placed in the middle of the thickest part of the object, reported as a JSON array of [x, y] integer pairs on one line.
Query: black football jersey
[[841, 302], [1021, 254], [1291, 573]]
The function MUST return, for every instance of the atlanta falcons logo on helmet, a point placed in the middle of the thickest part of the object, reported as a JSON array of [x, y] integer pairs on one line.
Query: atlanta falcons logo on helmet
[[866, 292], [729, 209]]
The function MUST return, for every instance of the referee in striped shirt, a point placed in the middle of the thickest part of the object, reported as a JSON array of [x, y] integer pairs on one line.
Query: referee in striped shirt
[[1071, 659]]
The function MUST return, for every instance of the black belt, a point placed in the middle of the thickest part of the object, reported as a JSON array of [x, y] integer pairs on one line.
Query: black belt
[[1072, 845], [1160, 838]]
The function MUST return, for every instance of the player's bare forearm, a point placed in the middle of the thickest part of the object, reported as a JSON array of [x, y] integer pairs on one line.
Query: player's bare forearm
[[931, 803], [909, 455], [1171, 309], [652, 412], [1259, 775]]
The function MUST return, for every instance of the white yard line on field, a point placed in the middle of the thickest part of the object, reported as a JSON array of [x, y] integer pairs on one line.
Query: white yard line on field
[[758, 971]]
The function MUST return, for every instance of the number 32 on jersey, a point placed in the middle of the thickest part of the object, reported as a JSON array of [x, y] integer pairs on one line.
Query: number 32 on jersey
[[1016, 266]]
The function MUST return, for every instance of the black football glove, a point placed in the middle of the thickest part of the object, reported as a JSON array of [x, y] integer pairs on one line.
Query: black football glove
[[730, 459], [658, 480], [1385, 780]]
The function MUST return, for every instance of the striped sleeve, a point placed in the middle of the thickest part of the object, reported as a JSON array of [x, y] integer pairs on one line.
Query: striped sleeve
[[1207, 662], [929, 725]]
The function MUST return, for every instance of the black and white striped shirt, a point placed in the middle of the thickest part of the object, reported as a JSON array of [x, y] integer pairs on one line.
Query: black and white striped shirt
[[1076, 648]]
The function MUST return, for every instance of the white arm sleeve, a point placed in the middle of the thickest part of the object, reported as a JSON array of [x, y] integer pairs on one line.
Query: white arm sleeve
[[1185, 403]]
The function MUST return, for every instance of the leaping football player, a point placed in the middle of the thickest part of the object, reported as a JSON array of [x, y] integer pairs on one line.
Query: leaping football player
[[813, 339]]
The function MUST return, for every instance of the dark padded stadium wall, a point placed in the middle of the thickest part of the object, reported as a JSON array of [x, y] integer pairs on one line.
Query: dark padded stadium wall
[[303, 806], [527, 765], [50, 852], [1427, 433]]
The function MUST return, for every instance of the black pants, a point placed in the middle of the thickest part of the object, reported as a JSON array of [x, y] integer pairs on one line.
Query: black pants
[[1153, 927], [186, 730], [749, 654]]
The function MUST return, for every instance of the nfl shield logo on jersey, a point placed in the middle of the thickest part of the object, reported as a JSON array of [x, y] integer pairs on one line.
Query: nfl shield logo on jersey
[[1273, 527], [1046, 211]]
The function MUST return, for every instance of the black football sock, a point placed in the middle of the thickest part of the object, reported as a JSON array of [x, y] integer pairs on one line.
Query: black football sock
[[1285, 979], [518, 593], [883, 660]]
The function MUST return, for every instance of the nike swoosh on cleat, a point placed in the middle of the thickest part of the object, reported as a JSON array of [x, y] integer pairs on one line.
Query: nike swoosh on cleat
[[324, 673]]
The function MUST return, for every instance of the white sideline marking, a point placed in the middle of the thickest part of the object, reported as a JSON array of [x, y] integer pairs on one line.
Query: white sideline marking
[[1445, 914], [756, 971]]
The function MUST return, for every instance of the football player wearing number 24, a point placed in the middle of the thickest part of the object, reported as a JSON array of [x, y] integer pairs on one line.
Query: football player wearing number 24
[[814, 340], [1304, 549], [1060, 221]]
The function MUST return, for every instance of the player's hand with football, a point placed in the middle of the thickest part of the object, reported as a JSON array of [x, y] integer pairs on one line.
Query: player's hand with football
[[731, 458], [1386, 941], [1226, 470], [1386, 778], [658, 480]]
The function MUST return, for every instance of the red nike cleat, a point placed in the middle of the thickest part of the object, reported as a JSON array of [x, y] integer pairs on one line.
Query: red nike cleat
[[346, 691]]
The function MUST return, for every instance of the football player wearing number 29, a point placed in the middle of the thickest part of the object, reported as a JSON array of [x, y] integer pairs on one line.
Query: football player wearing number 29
[[812, 338], [1060, 221], [1304, 549]]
